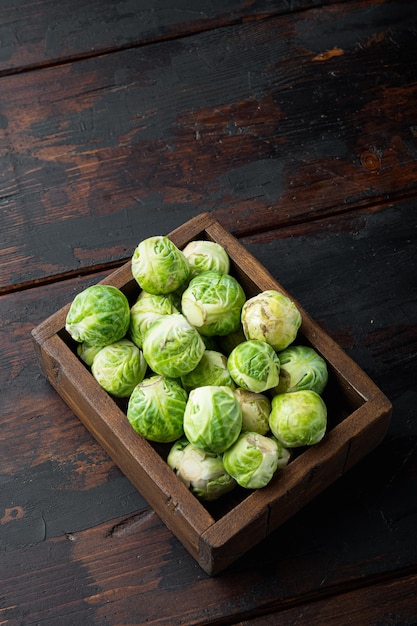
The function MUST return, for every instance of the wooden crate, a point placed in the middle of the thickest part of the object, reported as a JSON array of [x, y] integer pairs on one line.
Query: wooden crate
[[218, 533]]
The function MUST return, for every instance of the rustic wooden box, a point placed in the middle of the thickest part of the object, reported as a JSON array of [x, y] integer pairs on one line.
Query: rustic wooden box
[[216, 534]]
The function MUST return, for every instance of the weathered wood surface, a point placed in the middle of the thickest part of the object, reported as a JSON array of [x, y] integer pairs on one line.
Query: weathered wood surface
[[312, 163], [36, 34], [76, 531], [383, 603], [265, 123]]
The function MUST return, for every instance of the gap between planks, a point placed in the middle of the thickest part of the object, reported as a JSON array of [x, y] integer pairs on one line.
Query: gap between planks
[[375, 205]]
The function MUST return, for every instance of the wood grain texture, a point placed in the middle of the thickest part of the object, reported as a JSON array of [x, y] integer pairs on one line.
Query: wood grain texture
[[45, 32], [383, 603], [294, 123], [95, 153]]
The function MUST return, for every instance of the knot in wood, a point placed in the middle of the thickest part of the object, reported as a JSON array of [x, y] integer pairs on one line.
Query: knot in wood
[[370, 161]]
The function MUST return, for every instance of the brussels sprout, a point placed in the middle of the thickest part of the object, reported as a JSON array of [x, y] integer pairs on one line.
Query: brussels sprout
[[156, 409], [298, 418], [211, 370], [301, 368], [252, 460], [119, 367], [147, 308], [272, 317], [256, 408], [87, 352], [171, 346], [284, 454], [201, 472], [176, 453], [254, 365], [158, 266], [99, 315], [204, 256], [213, 302], [212, 418]]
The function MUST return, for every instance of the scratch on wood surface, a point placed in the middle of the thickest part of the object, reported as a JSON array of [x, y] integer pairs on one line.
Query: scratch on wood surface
[[130, 524], [45, 534], [329, 54]]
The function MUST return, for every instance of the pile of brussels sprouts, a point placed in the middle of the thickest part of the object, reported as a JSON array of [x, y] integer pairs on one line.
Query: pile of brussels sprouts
[[202, 368]]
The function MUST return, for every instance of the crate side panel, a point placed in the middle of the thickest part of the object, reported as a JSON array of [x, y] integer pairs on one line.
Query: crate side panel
[[372, 431], [136, 458], [226, 541]]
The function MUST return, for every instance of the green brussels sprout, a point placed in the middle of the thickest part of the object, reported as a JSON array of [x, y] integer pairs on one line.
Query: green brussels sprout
[[298, 418], [211, 370], [158, 266], [252, 460], [171, 346], [201, 472], [156, 409], [119, 367], [204, 256], [256, 408], [254, 365], [99, 315], [301, 368], [147, 308], [212, 418], [272, 317], [86, 352], [213, 302]]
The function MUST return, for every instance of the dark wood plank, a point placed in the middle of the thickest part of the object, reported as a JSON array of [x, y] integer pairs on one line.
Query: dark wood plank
[[128, 557], [38, 430], [265, 124], [45, 32], [390, 602], [80, 545]]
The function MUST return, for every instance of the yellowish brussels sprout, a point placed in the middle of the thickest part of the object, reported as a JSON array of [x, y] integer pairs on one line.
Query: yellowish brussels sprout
[[256, 408], [201, 472], [272, 317]]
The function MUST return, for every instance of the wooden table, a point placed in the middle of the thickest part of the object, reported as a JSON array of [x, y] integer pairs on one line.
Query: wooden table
[[295, 124]]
